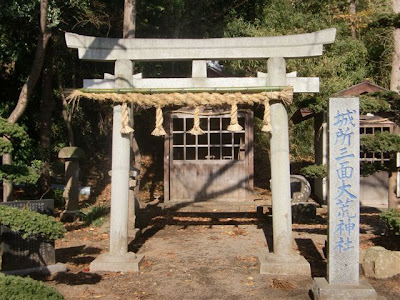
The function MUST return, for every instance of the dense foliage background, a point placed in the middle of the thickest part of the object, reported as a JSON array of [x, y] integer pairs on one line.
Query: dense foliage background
[[363, 50]]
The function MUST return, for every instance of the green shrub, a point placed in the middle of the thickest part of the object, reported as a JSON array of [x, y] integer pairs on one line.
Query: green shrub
[[59, 200], [314, 171], [392, 219], [18, 288], [30, 223], [94, 215]]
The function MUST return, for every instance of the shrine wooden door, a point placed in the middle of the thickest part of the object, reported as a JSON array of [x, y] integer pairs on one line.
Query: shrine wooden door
[[217, 165]]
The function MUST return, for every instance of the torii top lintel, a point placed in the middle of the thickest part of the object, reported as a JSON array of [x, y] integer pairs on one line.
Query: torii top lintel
[[287, 46]]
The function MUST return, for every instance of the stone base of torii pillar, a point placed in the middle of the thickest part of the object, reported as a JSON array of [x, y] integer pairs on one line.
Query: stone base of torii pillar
[[107, 262], [275, 264]]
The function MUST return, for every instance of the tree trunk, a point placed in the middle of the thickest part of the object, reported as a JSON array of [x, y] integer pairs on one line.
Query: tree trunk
[[394, 86], [395, 74], [352, 11], [129, 28], [7, 186], [392, 185], [28, 87], [46, 109], [66, 113]]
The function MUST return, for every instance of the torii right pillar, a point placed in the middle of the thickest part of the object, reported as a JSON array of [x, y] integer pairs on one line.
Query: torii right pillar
[[283, 260]]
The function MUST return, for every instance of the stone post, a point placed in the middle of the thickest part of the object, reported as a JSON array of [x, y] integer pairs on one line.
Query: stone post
[[280, 164], [321, 155], [119, 187], [344, 206], [71, 155], [119, 259], [283, 260]]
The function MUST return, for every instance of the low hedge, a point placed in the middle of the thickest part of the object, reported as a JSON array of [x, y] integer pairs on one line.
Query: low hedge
[[392, 219], [315, 171], [30, 223], [17, 288]]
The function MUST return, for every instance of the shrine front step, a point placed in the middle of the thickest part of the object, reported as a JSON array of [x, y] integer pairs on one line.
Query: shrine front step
[[217, 206]]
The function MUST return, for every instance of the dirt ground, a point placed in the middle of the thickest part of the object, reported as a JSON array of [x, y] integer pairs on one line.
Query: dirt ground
[[204, 256]]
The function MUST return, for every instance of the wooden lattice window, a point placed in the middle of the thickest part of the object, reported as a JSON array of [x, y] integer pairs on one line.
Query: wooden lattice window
[[372, 128], [217, 143]]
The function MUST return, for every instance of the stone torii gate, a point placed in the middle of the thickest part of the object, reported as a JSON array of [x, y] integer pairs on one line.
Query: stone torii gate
[[276, 49]]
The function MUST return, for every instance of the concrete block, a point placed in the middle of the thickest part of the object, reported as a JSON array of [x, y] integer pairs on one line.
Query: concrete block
[[128, 262], [273, 264], [42, 270], [322, 290]]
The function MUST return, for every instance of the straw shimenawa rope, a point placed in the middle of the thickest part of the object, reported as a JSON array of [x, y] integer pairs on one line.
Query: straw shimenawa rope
[[159, 100], [187, 99], [159, 130], [196, 130], [234, 124], [125, 128], [267, 118]]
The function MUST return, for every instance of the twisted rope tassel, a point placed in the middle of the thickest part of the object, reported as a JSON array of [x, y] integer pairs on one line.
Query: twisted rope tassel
[[125, 128], [234, 125], [196, 130], [267, 117], [159, 130]]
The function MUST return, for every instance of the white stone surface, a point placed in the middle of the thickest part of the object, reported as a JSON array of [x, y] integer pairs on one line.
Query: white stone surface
[[322, 290], [280, 166], [290, 46], [119, 187], [123, 73], [199, 68], [108, 262], [274, 264], [300, 84], [344, 191]]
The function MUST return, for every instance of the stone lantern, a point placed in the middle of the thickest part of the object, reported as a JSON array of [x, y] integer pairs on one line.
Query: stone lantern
[[71, 155]]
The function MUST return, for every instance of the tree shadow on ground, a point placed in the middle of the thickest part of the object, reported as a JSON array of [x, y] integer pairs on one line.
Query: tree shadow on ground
[[77, 255], [155, 219], [370, 216], [310, 252], [77, 278], [266, 225], [390, 242]]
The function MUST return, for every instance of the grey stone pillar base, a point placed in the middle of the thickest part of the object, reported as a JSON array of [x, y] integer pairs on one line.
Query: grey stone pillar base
[[323, 290], [107, 262], [42, 270], [273, 264]]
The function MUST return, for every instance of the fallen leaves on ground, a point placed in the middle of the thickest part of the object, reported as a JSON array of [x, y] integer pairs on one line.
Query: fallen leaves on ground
[[236, 231], [281, 284], [247, 258]]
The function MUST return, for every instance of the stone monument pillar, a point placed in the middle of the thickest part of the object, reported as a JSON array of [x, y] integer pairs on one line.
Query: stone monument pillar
[[342, 280], [119, 259], [283, 260], [71, 155]]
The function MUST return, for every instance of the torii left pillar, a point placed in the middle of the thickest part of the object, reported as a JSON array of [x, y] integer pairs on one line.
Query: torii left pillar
[[118, 259], [283, 260]]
